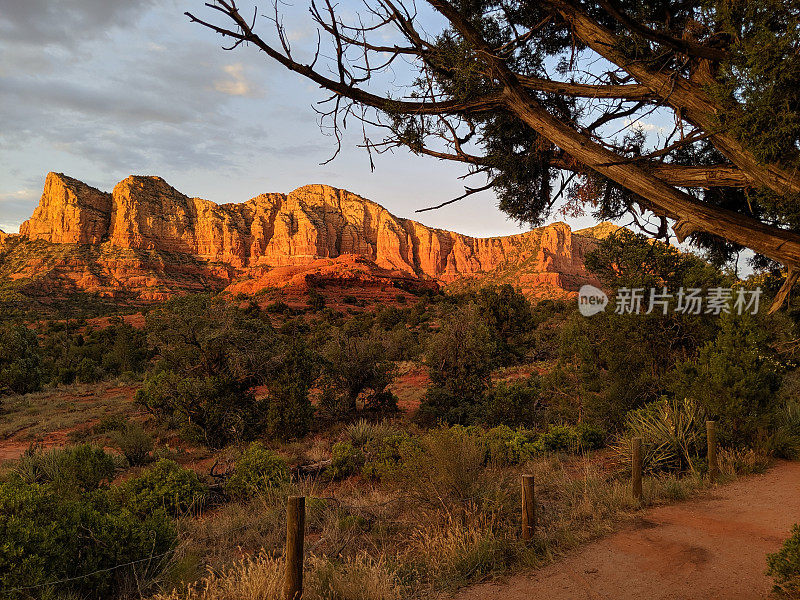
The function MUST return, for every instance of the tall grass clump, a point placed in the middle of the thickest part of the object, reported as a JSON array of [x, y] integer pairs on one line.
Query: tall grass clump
[[260, 577]]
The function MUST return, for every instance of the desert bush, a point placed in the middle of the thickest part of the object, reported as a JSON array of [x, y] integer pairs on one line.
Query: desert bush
[[784, 566], [134, 443], [109, 424], [278, 307], [383, 455], [75, 468], [362, 431], [735, 379], [289, 409], [508, 314], [88, 371], [46, 536], [316, 301], [506, 446], [72, 352], [210, 356], [166, 486], [784, 440], [452, 460], [20, 360], [346, 460], [517, 403], [256, 470], [460, 359], [212, 410], [402, 344], [672, 432], [356, 367], [590, 437], [560, 438]]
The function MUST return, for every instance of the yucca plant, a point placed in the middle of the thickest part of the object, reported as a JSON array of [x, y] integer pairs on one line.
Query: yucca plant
[[672, 433], [363, 431]]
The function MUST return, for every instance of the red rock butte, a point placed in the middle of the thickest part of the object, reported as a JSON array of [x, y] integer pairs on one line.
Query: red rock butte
[[150, 241]]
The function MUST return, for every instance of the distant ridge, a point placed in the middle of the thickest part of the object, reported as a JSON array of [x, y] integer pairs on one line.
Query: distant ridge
[[148, 241]]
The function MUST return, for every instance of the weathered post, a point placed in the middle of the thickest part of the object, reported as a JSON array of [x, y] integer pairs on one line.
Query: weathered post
[[528, 508], [295, 531], [636, 468], [711, 436]]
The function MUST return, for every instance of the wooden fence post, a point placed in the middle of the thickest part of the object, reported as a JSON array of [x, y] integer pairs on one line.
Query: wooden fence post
[[711, 436], [636, 468], [528, 508], [295, 531]]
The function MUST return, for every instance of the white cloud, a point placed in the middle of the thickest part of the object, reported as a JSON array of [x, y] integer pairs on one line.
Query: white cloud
[[236, 84], [644, 126]]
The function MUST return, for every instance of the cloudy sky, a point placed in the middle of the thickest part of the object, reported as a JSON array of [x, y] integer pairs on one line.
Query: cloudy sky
[[100, 89]]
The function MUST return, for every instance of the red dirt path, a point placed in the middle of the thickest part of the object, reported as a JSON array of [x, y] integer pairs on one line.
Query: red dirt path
[[714, 547]]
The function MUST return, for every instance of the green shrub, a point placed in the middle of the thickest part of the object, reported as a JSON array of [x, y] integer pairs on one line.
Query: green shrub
[[278, 307], [289, 409], [560, 438], [166, 485], [513, 404], [383, 455], [256, 470], [20, 360], [363, 431], [734, 379], [452, 460], [784, 566], [212, 410], [88, 371], [506, 446], [316, 301], [75, 468], [110, 423], [460, 359], [134, 443], [590, 437], [46, 536], [346, 460]]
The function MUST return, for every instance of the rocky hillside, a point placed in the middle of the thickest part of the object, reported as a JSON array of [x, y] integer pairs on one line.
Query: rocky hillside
[[148, 241]]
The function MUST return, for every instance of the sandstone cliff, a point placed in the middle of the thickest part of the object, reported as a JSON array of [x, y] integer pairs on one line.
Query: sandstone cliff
[[69, 212], [136, 237]]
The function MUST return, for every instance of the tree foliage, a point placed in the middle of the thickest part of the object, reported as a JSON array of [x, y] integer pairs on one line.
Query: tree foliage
[[546, 100]]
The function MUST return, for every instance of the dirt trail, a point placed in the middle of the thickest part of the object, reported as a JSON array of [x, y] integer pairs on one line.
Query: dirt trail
[[710, 548]]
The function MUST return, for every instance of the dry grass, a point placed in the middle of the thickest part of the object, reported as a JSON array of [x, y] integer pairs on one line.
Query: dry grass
[[444, 525], [445, 520], [33, 417], [260, 577]]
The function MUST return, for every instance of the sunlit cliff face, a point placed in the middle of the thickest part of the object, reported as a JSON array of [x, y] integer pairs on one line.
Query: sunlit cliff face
[[146, 234]]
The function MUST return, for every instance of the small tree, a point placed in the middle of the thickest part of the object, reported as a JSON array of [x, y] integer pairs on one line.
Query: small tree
[[734, 378], [20, 360], [210, 356], [289, 408], [459, 357], [356, 365], [508, 313]]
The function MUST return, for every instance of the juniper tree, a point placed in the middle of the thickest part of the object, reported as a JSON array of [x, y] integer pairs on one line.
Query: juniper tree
[[539, 97]]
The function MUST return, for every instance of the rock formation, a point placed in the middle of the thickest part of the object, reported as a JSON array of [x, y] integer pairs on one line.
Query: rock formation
[[145, 232], [69, 212]]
